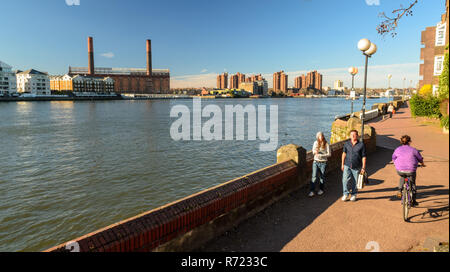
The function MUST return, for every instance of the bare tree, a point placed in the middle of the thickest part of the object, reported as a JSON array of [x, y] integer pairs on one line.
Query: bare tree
[[389, 24]]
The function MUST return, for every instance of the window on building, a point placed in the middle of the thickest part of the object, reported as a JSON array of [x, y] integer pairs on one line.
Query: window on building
[[435, 89], [440, 34], [438, 65]]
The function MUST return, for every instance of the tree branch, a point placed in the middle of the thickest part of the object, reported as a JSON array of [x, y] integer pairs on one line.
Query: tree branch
[[389, 25]]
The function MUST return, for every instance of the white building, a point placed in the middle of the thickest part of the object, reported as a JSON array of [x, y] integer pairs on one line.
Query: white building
[[33, 82], [339, 85], [7, 79], [389, 93]]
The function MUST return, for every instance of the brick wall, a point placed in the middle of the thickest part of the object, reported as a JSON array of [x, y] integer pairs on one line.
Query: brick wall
[[190, 222]]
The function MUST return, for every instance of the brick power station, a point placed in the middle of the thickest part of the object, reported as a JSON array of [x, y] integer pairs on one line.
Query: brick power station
[[128, 80]]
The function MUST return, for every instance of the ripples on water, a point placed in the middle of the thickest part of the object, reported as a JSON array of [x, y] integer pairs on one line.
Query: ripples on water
[[70, 168]]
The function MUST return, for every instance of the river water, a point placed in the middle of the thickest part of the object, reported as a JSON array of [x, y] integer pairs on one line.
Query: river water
[[70, 168]]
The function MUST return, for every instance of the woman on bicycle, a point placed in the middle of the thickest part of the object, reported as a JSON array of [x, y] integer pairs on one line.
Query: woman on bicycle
[[406, 160]]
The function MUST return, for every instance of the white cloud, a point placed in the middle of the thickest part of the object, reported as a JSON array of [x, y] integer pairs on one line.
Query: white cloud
[[373, 2], [108, 55], [204, 71], [377, 77]]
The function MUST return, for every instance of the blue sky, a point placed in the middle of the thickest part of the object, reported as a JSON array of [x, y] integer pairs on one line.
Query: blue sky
[[197, 39]]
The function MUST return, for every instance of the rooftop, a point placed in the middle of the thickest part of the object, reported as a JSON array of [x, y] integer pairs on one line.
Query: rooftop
[[117, 71], [32, 72]]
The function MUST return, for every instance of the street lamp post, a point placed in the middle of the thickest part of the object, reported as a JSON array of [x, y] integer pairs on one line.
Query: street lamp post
[[368, 50], [404, 86], [353, 71], [389, 88]]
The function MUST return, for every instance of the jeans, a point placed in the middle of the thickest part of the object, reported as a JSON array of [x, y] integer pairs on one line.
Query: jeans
[[352, 176], [318, 171], [412, 175]]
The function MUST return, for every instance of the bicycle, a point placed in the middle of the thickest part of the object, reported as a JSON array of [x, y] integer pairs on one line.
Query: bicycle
[[406, 197], [407, 194]]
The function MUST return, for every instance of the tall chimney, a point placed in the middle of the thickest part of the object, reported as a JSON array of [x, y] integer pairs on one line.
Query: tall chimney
[[149, 58], [91, 55]]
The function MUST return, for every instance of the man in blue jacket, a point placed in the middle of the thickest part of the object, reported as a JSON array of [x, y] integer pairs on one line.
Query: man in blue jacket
[[353, 163]]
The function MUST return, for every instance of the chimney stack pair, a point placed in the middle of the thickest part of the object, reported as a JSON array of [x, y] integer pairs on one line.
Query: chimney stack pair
[[91, 70]]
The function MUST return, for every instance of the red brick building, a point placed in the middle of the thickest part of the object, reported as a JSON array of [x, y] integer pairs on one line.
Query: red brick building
[[313, 80], [234, 82], [241, 78], [300, 82], [280, 82], [254, 78], [434, 39], [222, 81]]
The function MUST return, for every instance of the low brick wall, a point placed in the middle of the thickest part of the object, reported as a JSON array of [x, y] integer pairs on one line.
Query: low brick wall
[[383, 107], [189, 223]]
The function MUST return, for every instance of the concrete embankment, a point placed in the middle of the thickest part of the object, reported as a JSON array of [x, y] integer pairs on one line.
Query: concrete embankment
[[31, 99]]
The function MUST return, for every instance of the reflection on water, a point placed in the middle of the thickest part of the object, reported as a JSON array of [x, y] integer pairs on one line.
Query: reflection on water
[[70, 168]]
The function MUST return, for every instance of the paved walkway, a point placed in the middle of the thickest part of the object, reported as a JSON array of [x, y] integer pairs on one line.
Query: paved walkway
[[300, 224]]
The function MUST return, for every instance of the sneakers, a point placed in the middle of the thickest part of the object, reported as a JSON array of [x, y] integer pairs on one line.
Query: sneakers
[[415, 203], [345, 198], [311, 194]]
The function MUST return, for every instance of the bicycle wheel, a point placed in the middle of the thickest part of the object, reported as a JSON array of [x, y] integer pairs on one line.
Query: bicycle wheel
[[405, 203]]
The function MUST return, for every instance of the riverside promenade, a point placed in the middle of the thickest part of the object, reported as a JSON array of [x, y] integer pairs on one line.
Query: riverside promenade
[[374, 222]]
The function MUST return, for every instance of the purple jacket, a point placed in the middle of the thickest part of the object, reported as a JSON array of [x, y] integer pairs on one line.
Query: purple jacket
[[406, 158]]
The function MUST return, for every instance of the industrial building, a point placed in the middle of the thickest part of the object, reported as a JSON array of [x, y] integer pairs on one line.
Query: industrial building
[[128, 80]]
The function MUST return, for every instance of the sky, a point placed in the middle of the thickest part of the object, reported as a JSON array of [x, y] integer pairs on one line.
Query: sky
[[198, 39]]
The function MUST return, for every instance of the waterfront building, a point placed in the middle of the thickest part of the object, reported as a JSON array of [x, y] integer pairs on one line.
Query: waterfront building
[[434, 39], [254, 78], [61, 83], [280, 82], [82, 84], [299, 82], [263, 87], [33, 82], [234, 82], [128, 80], [339, 85], [222, 81], [8, 81], [241, 78], [251, 87], [313, 80]]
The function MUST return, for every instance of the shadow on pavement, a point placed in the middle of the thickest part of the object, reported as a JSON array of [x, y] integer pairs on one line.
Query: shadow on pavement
[[271, 229], [387, 142]]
